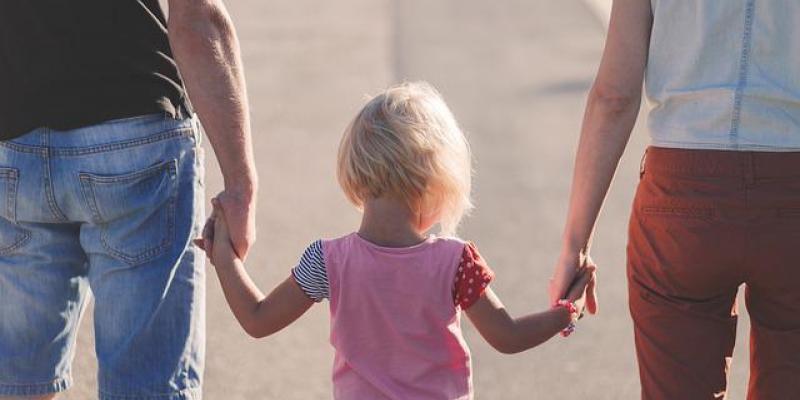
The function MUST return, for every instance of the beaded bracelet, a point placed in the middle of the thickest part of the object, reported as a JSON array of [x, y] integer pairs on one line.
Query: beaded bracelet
[[573, 315]]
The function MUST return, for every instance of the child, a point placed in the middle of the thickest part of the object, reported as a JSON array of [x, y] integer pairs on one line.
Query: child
[[395, 293]]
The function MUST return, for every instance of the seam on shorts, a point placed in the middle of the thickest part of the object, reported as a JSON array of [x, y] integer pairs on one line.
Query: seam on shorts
[[22, 237], [58, 214], [192, 393], [35, 389]]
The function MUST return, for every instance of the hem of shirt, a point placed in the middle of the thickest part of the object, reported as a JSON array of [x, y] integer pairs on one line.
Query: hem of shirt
[[303, 289], [722, 146]]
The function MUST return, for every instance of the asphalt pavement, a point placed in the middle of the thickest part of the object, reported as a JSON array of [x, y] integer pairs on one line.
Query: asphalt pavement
[[516, 74]]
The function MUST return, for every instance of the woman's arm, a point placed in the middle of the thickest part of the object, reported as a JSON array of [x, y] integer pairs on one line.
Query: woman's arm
[[611, 111], [511, 335]]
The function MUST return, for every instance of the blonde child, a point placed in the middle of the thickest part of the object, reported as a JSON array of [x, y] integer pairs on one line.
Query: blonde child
[[395, 292]]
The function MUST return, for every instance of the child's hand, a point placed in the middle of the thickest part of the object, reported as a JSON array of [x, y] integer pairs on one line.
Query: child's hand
[[216, 239], [223, 251], [584, 281], [206, 240]]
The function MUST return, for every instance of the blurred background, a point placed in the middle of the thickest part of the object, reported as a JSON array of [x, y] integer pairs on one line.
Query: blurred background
[[515, 73]]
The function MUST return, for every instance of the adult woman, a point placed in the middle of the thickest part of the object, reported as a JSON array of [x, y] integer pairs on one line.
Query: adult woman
[[719, 200]]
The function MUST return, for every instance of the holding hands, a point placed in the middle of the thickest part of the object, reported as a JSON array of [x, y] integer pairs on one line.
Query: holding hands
[[581, 289], [217, 240], [235, 207], [569, 272]]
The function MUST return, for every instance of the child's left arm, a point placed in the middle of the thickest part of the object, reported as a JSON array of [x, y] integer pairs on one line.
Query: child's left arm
[[513, 335], [259, 315]]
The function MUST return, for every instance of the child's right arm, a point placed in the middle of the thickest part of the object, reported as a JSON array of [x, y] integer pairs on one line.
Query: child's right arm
[[513, 335], [259, 315]]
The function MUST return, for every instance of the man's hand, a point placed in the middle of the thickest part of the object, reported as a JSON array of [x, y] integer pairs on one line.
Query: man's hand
[[239, 210], [216, 239]]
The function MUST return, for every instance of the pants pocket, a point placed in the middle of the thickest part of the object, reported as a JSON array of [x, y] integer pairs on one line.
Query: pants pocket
[[135, 211], [12, 236], [680, 212]]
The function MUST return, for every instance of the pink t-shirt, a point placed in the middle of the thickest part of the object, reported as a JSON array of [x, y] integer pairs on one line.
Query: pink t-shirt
[[395, 315]]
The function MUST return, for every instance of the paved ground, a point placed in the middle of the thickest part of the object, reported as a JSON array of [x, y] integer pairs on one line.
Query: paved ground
[[601, 8], [516, 74]]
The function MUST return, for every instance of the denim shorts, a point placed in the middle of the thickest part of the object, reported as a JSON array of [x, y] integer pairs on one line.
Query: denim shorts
[[109, 210]]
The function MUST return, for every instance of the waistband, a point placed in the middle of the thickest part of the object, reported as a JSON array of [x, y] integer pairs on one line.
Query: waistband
[[115, 133], [750, 165]]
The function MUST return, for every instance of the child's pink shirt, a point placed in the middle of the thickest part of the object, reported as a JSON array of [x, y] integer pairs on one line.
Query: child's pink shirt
[[394, 324]]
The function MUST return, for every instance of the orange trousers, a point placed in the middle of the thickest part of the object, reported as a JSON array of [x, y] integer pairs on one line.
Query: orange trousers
[[704, 222]]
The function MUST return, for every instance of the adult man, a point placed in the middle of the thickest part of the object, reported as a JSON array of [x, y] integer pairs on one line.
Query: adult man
[[101, 187]]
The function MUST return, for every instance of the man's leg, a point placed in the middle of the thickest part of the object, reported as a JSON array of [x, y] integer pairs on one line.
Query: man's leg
[[43, 290], [43, 285], [146, 205]]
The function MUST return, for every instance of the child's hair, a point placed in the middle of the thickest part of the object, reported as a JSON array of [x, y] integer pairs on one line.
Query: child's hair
[[405, 143]]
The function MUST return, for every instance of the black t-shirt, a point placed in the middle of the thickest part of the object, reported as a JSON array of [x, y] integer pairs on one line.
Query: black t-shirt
[[70, 63]]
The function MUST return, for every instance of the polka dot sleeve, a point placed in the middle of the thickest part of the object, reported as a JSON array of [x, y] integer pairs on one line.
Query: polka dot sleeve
[[472, 277]]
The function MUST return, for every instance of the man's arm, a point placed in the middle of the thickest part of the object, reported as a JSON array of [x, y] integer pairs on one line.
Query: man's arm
[[206, 50]]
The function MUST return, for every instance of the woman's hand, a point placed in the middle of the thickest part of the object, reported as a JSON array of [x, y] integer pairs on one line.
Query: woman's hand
[[582, 287], [562, 282]]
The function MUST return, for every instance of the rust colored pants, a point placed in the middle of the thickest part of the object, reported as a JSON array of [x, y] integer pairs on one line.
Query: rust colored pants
[[705, 222]]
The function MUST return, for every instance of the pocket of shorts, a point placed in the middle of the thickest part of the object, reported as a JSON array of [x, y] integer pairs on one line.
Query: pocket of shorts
[[789, 212], [12, 236], [681, 212], [135, 211]]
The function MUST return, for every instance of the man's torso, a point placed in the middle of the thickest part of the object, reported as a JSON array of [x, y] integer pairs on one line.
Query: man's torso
[[65, 65]]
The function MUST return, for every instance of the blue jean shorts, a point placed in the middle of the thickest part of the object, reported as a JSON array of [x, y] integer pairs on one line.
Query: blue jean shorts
[[109, 210]]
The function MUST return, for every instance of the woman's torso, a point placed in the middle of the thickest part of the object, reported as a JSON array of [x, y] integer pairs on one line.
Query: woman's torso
[[725, 75], [394, 325]]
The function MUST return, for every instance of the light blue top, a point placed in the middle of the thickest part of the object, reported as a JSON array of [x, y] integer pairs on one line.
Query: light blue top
[[725, 74]]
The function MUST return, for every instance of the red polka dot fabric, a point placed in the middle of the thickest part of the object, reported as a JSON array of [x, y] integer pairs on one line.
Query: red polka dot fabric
[[472, 277]]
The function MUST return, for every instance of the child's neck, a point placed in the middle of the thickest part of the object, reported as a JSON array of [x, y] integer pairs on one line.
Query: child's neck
[[389, 223]]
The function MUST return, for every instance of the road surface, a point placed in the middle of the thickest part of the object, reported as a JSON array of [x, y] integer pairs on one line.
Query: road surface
[[515, 74]]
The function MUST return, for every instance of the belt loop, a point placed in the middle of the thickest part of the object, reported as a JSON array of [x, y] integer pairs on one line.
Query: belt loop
[[198, 128], [180, 112], [183, 110], [642, 164]]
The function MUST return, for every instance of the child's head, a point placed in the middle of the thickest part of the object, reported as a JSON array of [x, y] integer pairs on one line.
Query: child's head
[[405, 144]]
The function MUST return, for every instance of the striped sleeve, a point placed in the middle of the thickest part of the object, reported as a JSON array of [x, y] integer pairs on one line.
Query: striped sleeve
[[310, 273]]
